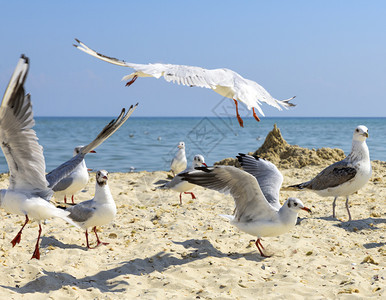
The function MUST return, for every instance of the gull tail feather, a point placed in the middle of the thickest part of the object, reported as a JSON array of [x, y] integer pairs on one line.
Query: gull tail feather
[[286, 103], [228, 217]]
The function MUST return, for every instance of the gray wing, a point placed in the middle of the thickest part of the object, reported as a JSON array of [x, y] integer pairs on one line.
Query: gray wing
[[267, 175], [332, 176], [63, 184], [56, 175], [82, 211], [19, 142], [244, 188]]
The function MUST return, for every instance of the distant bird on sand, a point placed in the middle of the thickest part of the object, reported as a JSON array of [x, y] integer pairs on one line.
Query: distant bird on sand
[[258, 211], [182, 186], [74, 182], [223, 81], [344, 177], [98, 211], [179, 161]]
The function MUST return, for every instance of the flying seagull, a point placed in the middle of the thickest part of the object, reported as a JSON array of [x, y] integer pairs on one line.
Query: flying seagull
[[223, 81], [30, 190], [344, 177], [253, 214]]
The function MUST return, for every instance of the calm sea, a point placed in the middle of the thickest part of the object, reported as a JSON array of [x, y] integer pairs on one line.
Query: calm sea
[[149, 143]]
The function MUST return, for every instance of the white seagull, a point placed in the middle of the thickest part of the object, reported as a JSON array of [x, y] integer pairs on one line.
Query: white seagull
[[74, 182], [179, 161], [182, 186], [225, 82], [95, 212], [30, 190], [254, 213], [344, 177]]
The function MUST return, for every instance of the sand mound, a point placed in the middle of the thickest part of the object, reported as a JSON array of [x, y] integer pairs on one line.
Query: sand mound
[[278, 151]]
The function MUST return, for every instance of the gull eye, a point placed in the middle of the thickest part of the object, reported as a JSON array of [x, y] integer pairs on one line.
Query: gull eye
[[295, 204], [357, 130]]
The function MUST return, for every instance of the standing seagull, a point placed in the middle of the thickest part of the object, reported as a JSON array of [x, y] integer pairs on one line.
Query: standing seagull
[[74, 182], [253, 214], [95, 212], [30, 190], [179, 161], [225, 82], [182, 186], [344, 177]]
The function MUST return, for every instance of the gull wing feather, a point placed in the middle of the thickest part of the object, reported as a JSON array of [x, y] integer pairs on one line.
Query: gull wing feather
[[243, 187], [56, 175], [223, 81], [267, 175], [19, 142], [81, 212]]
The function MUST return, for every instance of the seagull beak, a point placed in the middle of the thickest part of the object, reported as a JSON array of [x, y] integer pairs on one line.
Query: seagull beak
[[92, 151], [306, 209], [179, 147], [366, 134], [89, 170], [104, 177], [205, 164]]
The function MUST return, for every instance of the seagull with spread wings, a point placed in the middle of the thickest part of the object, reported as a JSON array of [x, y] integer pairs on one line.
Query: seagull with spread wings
[[256, 193], [30, 189], [223, 81]]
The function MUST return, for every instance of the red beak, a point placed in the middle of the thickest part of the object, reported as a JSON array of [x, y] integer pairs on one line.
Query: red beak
[[89, 170], [205, 164], [306, 209], [92, 151]]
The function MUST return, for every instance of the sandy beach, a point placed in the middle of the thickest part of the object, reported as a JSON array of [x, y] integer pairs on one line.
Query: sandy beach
[[160, 249]]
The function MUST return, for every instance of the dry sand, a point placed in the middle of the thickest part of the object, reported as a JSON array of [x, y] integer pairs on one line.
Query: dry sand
[[159, 249]]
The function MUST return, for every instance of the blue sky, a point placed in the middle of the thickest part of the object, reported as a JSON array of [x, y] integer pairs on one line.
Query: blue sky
[[330, 54]]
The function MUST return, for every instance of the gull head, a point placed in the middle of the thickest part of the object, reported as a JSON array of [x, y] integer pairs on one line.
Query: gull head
[[296, 205], [77, 150], [101, 177], [181, 145], [198, 161], [361, 133]]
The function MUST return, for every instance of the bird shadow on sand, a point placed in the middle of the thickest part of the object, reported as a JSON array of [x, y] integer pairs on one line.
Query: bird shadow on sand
[[106, 280], [50, 240], [356, 225], [373, 245]]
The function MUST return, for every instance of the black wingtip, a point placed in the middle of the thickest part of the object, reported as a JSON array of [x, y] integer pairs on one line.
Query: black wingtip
[[205, 169]]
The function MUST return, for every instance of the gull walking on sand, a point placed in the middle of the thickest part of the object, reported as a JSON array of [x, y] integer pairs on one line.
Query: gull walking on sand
[[95, 212], [179, 161], [74, 182], [182, 186], [344, 177], [223, 81], [258, 211], [30, 190]]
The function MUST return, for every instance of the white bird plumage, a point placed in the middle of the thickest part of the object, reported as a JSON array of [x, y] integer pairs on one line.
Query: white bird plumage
[[95, 212], [344, 177], [253, 214], [179, 161], [182, 186], [30, 189], [223, 81]]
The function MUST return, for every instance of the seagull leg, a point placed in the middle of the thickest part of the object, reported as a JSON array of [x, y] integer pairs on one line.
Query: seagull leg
[[36, 252], [258, 244], [132, 80], [17, 238], [254, 115], [98, 241], [237, 114], [88, 245], [193, 196], [72, 199], [348, 209], [333, 207], [181, 198], [65, 199]]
